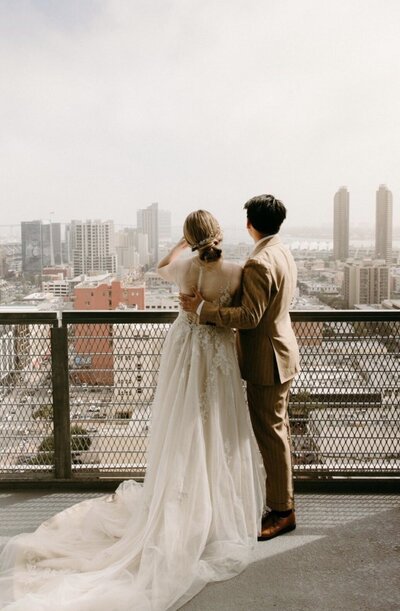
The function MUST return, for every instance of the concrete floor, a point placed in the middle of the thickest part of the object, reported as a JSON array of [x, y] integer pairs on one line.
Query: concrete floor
[[344, 554]]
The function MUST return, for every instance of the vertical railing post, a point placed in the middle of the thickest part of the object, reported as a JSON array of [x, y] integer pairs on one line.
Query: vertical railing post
[[61, 410]]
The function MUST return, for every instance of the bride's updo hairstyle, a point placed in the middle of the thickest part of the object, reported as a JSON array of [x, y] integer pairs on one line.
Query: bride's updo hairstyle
[[202, 232]]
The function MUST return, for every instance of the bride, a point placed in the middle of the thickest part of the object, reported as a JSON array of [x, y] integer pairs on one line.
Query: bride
[[195, 519]]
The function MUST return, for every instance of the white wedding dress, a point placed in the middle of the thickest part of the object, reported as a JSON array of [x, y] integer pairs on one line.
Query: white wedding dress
[[153, 546]]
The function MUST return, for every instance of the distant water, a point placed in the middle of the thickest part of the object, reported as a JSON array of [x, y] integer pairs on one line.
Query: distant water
[[321, 245], [234, 236], [316, 243]]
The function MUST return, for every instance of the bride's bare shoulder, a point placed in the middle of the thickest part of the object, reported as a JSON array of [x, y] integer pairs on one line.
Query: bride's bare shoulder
[[233, 267]]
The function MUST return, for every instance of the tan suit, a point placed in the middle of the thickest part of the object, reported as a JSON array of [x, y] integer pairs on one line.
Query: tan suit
[[268, 356]]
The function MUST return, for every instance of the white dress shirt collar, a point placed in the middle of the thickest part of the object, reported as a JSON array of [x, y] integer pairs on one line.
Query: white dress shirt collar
[[266, 237], [261, 241]]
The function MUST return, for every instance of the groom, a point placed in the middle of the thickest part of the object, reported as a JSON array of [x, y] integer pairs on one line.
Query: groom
[[267, 351]]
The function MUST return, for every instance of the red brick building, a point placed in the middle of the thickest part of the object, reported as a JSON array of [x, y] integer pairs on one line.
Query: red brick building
[[94, 362]]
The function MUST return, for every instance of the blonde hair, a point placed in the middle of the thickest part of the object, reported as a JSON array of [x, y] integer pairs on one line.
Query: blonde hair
[[202, 232]]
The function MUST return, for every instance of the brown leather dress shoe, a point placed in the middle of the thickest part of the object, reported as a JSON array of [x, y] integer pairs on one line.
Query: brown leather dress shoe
[[273, 525]]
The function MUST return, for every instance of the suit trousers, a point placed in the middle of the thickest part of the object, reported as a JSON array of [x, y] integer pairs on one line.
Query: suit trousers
[[268, 406]]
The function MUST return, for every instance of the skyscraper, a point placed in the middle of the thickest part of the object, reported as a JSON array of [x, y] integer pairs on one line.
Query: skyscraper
[[383, 224], [93, 247], [164, 225], [126, 247], [31, 247], [148, 223], [51, 244], [341, 224], [40, 244]]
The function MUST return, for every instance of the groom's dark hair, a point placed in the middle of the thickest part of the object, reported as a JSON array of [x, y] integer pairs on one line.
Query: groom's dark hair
[[265, 213]]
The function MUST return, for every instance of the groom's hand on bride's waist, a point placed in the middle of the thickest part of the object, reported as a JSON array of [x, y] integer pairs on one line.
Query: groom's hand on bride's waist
[[191, 303]]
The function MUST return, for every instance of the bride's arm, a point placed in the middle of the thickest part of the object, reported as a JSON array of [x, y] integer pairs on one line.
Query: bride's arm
[[173, 253], [166, 268]]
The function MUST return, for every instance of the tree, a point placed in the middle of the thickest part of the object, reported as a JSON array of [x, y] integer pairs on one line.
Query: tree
[[303, 396], [45, 412], [124, 415], [80, 442]]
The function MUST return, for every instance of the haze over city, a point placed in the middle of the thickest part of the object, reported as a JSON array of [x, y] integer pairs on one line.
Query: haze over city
[[111, 105]]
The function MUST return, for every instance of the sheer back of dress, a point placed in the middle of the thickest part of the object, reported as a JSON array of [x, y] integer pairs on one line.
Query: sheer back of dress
[[218, 281]]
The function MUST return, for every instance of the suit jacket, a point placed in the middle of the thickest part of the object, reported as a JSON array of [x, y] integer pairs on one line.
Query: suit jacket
[[266, 344]]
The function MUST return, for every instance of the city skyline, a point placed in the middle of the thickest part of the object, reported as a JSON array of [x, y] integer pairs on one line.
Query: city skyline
[[110, 106], [96, 248], [339, 272], [331, 229]]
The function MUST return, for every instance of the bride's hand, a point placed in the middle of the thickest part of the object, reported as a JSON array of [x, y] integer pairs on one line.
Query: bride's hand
[[190, 303], [173, 253]]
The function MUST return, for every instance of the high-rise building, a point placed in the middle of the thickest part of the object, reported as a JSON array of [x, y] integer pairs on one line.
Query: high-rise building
[[366, 282], [164, 225], [143, 249], [93, 247], [40, 244], [383, 224], [341, 224], [51, 244], [67, 245], [127, 247], [31, 245], [148, 223], [3, 262]]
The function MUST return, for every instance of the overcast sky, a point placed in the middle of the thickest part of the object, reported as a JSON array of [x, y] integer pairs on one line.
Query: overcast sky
[[109, 105]]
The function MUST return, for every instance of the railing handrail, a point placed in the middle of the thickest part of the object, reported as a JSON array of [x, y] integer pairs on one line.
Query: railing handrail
[[24, 317], [116, 316], [162, 316], [345, 315]]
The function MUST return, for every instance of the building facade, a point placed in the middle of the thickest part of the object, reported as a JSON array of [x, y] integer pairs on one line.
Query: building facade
[[93, 247], [126, 242], [108, 295], [148, 223], [164, 226], [383, 224], [40, 245], [366, 282], [93, 358], [341, 207], [137, 350]]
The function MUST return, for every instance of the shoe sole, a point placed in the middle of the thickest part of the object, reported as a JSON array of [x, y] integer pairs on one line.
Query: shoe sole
[[280, 532]]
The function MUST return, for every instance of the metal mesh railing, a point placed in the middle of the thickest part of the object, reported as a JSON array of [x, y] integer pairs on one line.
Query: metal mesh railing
[[112, 375], [345, 403], [76, 397], [26, 401]]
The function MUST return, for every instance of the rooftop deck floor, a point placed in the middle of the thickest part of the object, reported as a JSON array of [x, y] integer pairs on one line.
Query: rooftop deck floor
[[343, 555]]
